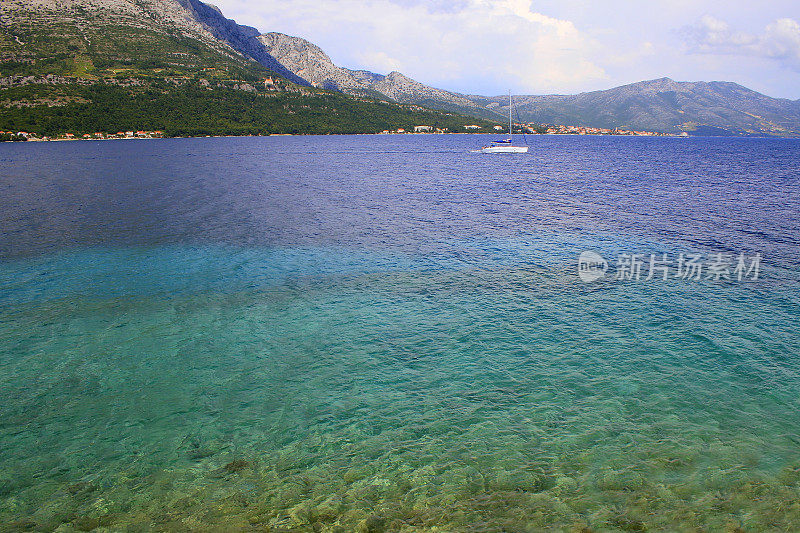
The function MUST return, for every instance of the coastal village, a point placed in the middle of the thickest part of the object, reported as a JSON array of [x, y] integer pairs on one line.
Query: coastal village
[[539, 129], [532, 129], [25, 136], [528, 128]]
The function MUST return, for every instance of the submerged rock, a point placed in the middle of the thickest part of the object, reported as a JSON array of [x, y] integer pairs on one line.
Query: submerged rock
[[620, 480], [467, 479], [237, 465], [518, 480], [300, 514], [357, 473], [329, 509], [566, 484], [372, 524], [627, 523], [291, 492], [81, 487], [86, 523]]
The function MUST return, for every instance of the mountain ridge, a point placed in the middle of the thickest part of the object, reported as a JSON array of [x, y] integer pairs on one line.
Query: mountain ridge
[[311, 63], [664, 104], [661, 104], [243, 39], [189, 39], [85, 67]]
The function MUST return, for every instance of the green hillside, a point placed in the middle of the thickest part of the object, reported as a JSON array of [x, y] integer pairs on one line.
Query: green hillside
[[193, 109], [32, 44]]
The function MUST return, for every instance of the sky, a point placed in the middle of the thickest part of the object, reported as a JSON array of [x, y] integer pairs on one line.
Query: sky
[[547, 47]]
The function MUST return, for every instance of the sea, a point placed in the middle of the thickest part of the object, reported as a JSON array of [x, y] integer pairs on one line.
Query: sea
[[393, 333]]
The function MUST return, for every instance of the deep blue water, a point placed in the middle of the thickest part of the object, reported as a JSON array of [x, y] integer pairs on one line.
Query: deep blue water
[[389, 333]]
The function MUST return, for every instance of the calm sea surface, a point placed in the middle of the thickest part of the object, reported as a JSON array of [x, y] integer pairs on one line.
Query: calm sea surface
[[389, 333]]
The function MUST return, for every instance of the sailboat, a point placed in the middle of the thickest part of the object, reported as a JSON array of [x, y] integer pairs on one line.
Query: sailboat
[[505, 146]]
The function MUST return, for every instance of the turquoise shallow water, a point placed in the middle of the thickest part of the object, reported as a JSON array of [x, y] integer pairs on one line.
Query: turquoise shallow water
[[412, 379]]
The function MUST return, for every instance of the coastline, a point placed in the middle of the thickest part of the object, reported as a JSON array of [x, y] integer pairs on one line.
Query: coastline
[[150, 137]]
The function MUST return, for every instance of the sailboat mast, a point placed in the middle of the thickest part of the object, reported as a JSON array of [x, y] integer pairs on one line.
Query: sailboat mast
[[509, 114]]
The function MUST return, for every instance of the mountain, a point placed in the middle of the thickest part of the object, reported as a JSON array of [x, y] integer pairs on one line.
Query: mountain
[[96, 39], [313, 65], [179, 66], [75, 44], [721, 108], [310, 63], [664, 105], [243, 39]]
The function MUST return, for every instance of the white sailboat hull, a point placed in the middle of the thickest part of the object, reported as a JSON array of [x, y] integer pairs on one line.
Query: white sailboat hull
[[504, 149], [505, 146]]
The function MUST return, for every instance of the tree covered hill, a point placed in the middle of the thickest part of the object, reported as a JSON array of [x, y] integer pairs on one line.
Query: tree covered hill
[[193, 109]]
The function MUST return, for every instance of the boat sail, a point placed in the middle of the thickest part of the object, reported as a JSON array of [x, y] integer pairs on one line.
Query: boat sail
[[505, 146]]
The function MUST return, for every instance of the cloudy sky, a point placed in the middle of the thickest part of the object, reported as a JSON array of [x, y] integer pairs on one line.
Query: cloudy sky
[[550, 46]]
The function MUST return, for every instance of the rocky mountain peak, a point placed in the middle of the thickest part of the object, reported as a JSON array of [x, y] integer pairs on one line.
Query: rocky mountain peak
[[305, 60], [312, 64], [284, 44]]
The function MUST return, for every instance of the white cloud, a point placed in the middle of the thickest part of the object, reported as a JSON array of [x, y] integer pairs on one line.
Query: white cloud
[[380, 61], [780, 40], [472, 44], [633, 55]]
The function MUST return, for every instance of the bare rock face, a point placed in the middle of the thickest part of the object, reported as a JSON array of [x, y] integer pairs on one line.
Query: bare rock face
[[243, 39], [312, 64]]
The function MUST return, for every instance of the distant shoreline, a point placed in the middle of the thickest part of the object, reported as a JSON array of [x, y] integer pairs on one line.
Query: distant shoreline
[[141, 138], [151, 137]]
